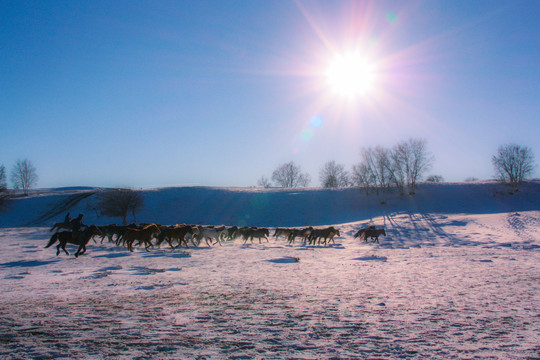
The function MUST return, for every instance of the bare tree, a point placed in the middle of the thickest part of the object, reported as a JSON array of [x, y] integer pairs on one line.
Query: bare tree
[[399, 161], [421, 161], [404, 164], [363, 176], [289, 176], [304, 180], [435, 178], [264, 182], [117, 203], [3, 178], [410, 160], [4, 195], [333, 175], [377, 162], [513, 164], [24, 175]]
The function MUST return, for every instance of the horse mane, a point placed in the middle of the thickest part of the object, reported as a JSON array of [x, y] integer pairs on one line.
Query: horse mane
[[149, 226]]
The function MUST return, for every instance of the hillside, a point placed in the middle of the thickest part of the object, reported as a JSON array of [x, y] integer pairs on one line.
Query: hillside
[[274, 207]]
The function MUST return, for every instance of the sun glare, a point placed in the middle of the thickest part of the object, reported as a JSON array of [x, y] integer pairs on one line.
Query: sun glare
[[350, 75]]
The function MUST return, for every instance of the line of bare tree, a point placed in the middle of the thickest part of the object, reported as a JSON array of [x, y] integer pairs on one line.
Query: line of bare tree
[[512, 164], [400, 167], [288, 175], [23, 177], [3, 186], [379, 170]]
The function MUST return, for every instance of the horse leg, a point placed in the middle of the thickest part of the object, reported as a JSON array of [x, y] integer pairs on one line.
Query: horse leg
[[79, 250], [184, 240], [290, 239], [192, 239], [63, 246]]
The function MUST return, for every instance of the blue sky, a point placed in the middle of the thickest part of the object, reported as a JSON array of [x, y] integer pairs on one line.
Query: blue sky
[[155, 93]]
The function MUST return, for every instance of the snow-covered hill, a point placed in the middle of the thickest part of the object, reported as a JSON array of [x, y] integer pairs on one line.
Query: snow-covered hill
[[274, 207]]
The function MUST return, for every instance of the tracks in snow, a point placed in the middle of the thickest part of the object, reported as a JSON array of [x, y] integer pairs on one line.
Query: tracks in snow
[[60, 208]]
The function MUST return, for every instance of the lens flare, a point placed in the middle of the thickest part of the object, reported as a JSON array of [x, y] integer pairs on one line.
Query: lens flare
[[306, 135], [391, 17], [316, 121]]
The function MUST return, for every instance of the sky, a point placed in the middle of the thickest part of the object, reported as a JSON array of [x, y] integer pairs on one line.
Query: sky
[[221, 93]]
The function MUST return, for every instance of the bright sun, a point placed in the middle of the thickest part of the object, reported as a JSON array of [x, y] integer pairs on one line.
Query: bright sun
[[350, 75]]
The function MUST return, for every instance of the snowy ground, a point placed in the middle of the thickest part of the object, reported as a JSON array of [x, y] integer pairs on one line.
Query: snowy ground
[[441, 286]]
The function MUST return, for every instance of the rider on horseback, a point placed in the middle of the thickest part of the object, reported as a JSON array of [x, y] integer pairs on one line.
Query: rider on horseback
[[76, 225]]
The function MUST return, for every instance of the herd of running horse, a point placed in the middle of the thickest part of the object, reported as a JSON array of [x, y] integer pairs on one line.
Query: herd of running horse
[[150, 235]]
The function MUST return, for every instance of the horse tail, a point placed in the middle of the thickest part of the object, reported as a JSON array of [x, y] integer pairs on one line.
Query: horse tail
[[359, 233], [52, 241]]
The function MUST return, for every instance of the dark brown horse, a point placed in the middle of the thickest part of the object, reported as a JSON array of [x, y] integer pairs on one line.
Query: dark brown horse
[[81, 238], [323, 235], [301, 233], [177, 233], [370, 232], [283, 232], [259, 233], [143, 236]]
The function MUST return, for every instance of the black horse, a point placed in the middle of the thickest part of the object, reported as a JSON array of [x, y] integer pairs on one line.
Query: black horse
[[82, 238]]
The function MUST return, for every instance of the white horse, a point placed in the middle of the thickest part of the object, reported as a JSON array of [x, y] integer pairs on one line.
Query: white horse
[[208, 233]]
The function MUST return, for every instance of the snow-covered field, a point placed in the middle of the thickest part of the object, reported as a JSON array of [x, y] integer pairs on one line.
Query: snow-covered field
[[445, 283]]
